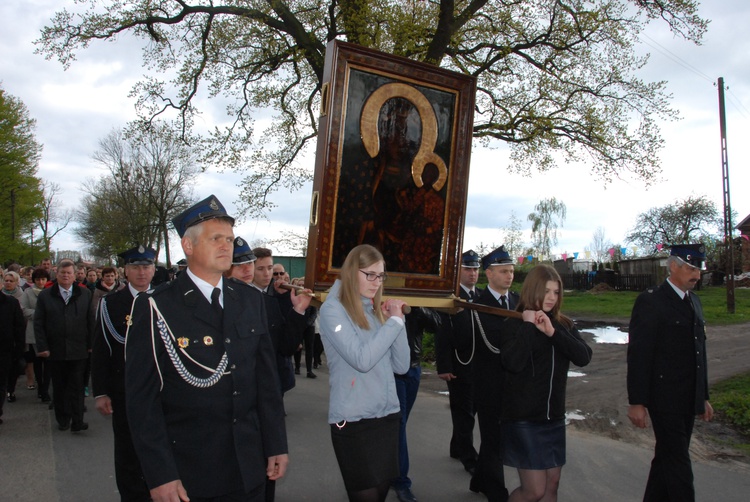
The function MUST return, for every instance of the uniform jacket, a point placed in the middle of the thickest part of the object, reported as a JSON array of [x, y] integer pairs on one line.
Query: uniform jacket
[[487, 370], [12, 327], [215, 439], [667, 368], [64, 330], [108, 349], [361, 362], [455, 343], [287, 328], [536, 369]]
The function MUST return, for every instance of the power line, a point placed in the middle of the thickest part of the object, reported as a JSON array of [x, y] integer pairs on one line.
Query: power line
[[674, 57], [735, 100]]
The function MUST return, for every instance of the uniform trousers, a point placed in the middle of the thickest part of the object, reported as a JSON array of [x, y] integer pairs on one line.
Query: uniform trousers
[[671, 475], [460, 397], [257, 494], [407, 386], [67, 391], [489, 477], [128, 473]]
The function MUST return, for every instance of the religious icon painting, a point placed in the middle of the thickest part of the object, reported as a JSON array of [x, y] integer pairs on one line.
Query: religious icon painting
[[392, 169]]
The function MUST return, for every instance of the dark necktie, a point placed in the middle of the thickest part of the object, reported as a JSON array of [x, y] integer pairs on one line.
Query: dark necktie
[[503, 302], [472, 295], [688, 300], [216, 305]]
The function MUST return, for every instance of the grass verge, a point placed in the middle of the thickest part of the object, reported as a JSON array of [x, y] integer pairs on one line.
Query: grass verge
[[620, 304], [731, 401]]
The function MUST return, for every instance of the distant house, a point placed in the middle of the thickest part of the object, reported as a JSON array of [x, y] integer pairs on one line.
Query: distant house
[[572, 265], [655, 266], [744, 228]]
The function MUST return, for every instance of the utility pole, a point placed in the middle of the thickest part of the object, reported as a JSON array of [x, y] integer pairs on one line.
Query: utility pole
[[728, 241]]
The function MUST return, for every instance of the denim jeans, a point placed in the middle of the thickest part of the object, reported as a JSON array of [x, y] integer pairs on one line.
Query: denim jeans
[[407, 386]]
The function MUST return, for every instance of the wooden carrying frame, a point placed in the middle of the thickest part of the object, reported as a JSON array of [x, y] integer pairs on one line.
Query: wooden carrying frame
[[391, 169]]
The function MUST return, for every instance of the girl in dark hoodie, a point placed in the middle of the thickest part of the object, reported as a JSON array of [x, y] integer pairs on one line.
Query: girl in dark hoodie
[[536, 354]]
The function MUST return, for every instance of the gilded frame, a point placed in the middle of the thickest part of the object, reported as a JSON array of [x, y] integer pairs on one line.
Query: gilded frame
[[392, 169]]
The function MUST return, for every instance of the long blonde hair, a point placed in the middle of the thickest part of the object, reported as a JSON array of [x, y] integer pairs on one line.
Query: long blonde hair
[[358, 258], [534, 288]]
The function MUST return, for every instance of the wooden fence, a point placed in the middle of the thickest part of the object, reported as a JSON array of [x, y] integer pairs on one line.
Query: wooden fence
[[583, 281]]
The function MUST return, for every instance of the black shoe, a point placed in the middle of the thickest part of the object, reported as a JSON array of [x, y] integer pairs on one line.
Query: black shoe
[[310, 374], [46, 399], [11, 398], [296, 371], [470, 466], [405, 495], [475, 485], [83, 427], [315, 366], [63, 427]]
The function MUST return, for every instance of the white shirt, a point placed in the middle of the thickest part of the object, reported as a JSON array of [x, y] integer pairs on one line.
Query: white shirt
[[63, 291], [498, 295], [682, 294], [206, 289]]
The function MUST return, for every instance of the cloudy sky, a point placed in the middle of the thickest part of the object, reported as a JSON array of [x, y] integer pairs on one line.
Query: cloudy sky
[[77, 107]]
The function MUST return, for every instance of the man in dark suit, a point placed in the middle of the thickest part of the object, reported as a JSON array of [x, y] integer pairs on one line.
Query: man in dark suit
[[63, 327], [454, 350], [108, 368], [667, 372], [201, 385], [488, 376]]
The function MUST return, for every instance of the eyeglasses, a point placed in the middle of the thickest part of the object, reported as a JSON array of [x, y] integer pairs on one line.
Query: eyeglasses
[[372, 276], [279, 273]]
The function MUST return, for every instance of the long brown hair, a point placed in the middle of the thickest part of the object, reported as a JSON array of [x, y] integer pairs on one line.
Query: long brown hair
[[358, 258], [534, 288]]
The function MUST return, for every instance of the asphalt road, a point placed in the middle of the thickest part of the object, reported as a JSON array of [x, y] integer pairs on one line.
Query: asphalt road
[[41, 464]]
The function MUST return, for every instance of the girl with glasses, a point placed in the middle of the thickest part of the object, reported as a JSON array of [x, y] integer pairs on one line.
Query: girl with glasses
[[366, 344]]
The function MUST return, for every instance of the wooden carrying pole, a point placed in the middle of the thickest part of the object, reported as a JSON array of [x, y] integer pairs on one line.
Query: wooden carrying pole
[[487, 309]]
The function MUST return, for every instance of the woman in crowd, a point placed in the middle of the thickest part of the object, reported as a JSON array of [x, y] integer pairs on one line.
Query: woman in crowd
[[536, 354], [39, 279], [365, 342], [10, 285], [11, 288]]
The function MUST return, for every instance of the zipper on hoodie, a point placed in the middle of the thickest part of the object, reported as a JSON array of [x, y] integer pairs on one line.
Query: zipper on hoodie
[[551, 377]]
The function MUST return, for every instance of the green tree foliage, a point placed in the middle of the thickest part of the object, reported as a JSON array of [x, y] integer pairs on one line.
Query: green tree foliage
[[149, 181], [688, 220], [548, 214], [20, 193], [554, 76]]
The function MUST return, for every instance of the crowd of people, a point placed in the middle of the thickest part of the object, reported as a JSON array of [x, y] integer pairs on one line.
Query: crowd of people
[[198, 411]]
